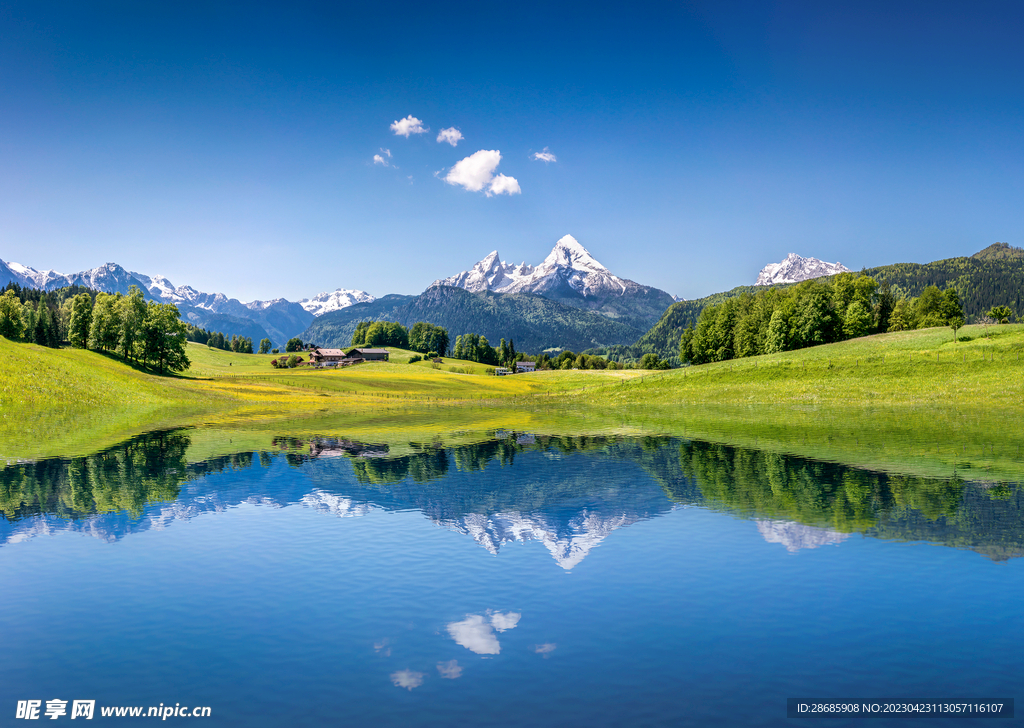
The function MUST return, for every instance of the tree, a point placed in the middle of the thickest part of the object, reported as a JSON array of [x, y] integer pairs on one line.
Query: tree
[[955, 323], [81, 320], [884, 307], [686, 344], [105, 330], [294, 344], [162, 337], [857, 321], [265, 346], [902, 317], [1001, 314], [778, 333], [950, 307], [11, 321], [359, 335], [132, 311], [651, 361], [929, 308]]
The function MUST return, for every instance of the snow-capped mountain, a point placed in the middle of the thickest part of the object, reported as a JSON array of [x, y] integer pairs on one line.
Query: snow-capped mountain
[[110, 277], [571, 275], [796, 268], [322, 303], [568, 263], [277, 319]]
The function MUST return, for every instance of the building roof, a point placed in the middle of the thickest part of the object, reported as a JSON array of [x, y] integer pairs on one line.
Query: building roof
[[330, 352], [371, 351]]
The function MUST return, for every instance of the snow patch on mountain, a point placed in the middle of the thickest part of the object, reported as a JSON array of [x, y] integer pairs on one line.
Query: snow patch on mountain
[[796, 268], [335, 300]]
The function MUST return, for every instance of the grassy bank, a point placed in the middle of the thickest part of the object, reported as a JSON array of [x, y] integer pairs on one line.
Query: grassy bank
[[913, 402]]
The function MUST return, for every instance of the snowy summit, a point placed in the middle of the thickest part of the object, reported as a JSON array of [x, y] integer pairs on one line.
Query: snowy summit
[[796, 268], [568, 264], [336, 300]]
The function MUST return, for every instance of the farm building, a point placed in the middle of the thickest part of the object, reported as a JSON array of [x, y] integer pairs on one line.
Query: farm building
[[324, 356], [368, 354]]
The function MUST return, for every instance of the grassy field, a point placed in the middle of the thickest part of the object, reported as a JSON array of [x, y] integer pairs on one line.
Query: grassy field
[[915, 402]]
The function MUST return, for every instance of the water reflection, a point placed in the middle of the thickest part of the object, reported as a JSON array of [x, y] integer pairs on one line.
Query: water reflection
[[476, 631], [567, 493]]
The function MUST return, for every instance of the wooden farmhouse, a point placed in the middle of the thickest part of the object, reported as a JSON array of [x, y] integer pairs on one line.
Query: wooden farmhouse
[[340, 357], [368, 354]]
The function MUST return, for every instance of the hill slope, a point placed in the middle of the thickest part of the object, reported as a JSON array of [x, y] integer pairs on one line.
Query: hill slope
[[535, 323]]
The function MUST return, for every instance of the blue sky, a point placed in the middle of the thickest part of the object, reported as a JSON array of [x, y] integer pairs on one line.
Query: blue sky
[[231, 146]]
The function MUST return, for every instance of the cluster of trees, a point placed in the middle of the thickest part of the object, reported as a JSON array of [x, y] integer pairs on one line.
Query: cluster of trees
[[473, 347], [428, 339], [819, 311], [149, 333], [381, 333], [218, 340], [569, 360], [286, 362], [39, 317]]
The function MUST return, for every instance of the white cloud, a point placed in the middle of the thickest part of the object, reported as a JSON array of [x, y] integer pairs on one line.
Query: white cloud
[[475, 634], [408, 125], [451, 135], [502, 185], [545, 649], [544, 156], [450, 669], [476, 172], [407, 679], [378, 159], [502, 622]]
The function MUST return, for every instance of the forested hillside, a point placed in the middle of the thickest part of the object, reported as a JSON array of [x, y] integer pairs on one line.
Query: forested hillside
[[992, 277], [533, 322], [663, 338], [996, 279]]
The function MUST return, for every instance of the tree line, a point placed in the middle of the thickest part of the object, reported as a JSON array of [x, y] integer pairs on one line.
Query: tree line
[[39, 317], [218, 340], [142, 332], [819, 311]]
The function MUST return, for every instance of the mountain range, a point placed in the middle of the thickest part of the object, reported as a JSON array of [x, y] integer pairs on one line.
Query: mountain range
[[277, 319], [569, 275], [568, 300]]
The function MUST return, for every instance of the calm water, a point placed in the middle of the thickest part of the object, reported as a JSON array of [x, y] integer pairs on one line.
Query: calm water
[[515, 581]]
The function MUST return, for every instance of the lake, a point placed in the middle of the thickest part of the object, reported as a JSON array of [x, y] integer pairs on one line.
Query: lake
[[508, 579]]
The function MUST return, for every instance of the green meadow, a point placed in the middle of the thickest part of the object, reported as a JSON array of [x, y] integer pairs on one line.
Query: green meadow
[[914, 402]]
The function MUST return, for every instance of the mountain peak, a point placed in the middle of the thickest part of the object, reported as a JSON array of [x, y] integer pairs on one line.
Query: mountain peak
[[569, 253], [795, 268]]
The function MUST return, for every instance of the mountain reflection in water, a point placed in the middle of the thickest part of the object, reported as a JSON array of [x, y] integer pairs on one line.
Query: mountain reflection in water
[[568, 493]]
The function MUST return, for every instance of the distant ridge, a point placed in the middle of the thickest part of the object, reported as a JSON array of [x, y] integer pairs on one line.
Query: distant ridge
[[534, 322], [999, 251]]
